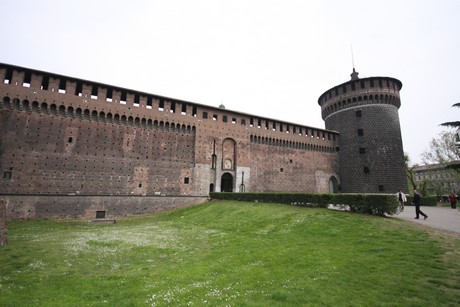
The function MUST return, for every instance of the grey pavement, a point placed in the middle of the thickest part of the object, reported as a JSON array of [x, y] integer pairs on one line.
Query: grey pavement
[[442, 218]]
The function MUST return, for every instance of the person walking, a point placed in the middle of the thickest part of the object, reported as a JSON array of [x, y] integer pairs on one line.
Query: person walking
[[417, 203], [453, 200], [402, 199]]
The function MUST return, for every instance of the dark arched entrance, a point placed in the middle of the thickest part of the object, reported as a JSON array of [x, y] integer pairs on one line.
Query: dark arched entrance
[[333, 185], [226, 183]]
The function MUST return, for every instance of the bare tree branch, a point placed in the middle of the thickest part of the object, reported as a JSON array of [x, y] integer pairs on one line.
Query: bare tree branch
[[409, 171]]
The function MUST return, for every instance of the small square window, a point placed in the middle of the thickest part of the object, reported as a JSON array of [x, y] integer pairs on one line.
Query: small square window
[[100, 214], [186, 180], [362, 150], [360, 132], [381, 188], [366, 170], [205, 114], [359, 113], [7, 175], [224, 118]]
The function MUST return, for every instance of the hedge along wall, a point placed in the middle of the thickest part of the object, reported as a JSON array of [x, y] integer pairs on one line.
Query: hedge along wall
[[377, 204], [426, 200]]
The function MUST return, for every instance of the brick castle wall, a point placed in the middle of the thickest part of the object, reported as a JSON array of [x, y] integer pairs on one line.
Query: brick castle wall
[[24, 207], [66, 138], [52, 154], [291, 168]]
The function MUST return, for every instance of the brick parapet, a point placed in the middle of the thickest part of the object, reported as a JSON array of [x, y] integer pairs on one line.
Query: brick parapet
[[63, 96], [30, 207]]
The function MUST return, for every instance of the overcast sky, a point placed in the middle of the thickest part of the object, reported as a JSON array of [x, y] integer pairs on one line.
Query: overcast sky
[[268, 58]]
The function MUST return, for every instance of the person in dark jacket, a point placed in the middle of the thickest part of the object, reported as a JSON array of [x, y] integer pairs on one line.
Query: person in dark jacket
[[453, 200], [417, 203]]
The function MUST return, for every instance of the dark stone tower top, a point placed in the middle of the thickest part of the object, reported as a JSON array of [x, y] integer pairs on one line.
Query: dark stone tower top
[[365, 113], [360, 91]]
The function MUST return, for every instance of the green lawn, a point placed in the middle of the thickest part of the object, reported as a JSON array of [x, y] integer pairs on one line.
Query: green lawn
[[230, 254]]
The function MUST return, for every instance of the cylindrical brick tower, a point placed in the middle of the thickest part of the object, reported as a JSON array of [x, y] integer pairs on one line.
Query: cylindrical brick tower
[[365, 113]]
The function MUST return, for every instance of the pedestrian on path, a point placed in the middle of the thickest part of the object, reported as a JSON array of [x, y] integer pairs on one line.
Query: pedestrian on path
[[453, 200], [417, 203], [402, 199]]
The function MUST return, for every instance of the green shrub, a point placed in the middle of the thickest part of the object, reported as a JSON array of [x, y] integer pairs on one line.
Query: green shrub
[[426, 200], [375, 204]]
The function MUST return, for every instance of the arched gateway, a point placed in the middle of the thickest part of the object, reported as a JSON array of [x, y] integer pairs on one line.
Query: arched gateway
[[333, 185], [226, 183]]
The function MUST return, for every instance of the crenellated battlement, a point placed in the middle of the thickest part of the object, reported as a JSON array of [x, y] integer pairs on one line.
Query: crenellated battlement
[[374, 90], [53, 94]]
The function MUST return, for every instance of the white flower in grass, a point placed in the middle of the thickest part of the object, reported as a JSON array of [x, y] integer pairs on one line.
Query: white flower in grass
[[37, 264]]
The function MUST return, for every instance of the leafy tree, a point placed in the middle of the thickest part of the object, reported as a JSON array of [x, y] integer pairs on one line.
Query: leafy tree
[[410, 174], [442, 149], [424, 188], [456, 125]]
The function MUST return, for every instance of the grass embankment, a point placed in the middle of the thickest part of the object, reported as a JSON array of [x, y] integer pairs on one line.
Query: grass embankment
[[230, 253]]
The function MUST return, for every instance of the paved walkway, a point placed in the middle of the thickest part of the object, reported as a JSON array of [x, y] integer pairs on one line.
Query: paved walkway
[[443, 218]]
